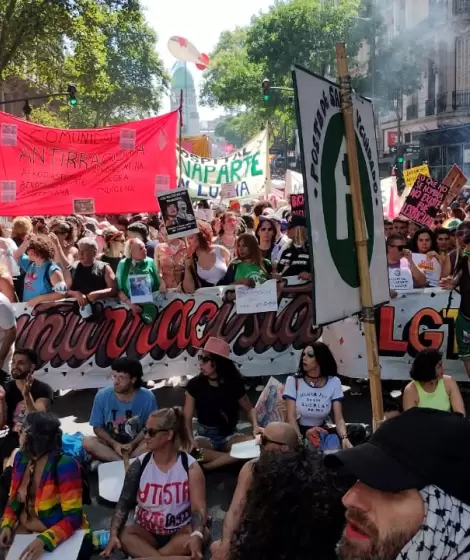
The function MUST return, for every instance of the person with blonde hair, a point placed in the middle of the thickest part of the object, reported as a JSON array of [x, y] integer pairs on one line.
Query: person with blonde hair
[[170, 490]]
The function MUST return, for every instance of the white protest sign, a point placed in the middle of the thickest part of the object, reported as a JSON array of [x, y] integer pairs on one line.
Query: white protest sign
[[246, 168], [69, 549], [328, 197], [228, 190], [260, 299], [400, 279]]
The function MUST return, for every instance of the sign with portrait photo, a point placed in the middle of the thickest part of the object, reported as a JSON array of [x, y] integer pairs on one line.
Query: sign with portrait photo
[[140, 288], [178, 213]]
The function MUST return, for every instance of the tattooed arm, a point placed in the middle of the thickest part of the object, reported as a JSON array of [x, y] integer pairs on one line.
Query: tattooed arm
[[197, 495], [127, 499]]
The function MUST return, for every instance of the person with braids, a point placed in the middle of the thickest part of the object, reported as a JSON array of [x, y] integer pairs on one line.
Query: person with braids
[[293, 509], [168, 488], [46, 491]]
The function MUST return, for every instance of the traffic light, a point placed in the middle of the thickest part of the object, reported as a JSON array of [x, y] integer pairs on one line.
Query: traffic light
[[266, 86], [72, 91], [27, 109]]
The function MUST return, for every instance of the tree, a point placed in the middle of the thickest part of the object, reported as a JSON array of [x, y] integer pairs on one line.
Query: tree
[[238, 129]]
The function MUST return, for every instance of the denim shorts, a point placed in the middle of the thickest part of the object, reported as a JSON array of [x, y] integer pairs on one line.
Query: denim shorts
[[215, 437]]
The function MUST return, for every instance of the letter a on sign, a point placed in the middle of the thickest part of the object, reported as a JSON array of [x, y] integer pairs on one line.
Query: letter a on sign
[[328, 198]]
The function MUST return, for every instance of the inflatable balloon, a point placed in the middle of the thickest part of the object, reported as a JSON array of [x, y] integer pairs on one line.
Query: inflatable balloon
[[182, 49]]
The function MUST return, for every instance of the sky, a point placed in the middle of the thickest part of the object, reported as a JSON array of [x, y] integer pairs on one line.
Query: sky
[[201, 22]]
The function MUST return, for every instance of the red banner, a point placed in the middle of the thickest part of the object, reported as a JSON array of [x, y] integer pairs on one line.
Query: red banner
[[49, 171]]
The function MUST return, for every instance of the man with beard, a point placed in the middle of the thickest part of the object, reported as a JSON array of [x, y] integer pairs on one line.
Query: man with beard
[[276, 437], [411, 498], [22, 395], [120, 413]]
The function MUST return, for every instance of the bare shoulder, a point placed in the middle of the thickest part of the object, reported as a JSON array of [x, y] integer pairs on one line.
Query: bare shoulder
[[450, 382], [246, 472]]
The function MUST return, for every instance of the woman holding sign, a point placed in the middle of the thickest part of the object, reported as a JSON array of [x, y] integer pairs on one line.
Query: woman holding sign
[[426, 256]]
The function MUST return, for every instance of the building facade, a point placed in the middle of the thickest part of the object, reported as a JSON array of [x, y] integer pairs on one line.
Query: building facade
[[437, 115], [182, 81]]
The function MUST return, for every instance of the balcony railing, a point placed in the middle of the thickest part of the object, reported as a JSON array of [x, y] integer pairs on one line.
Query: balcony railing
[[441, 102], [412, 112], [430, 107], [461, 7], [461, 99]]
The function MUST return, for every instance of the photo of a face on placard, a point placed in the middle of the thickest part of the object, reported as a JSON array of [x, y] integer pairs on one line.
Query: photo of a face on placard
[[178, 213], [84, 206]]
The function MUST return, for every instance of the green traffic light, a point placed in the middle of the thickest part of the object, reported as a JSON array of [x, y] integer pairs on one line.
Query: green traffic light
[[266, 97], [73, 102], [401, 160]]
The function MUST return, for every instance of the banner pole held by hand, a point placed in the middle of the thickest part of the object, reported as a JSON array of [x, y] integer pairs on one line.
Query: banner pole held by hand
[[360, 235]]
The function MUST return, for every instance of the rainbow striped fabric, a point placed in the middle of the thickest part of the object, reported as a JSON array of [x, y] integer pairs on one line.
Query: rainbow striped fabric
[[58, 502]]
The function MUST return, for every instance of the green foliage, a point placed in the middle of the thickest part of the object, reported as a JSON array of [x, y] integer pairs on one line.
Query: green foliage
[[105, 47]]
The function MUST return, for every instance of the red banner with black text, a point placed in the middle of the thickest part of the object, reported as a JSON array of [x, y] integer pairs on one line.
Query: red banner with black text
[[112, 170]]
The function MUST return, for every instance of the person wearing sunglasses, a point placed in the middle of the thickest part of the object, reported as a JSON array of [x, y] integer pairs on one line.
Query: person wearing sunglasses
[[113, 252], [451, 262], [276, 437], [170, 490], [403, 273], [216, 396], [315, 392]]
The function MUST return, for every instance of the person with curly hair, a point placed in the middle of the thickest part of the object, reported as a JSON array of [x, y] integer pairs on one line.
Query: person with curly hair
[[208, 262], [293, 509], [44, 279], [46, 491]]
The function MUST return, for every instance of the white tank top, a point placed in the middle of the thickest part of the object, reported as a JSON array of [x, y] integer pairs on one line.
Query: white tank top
[[163, 504], [217, 272]]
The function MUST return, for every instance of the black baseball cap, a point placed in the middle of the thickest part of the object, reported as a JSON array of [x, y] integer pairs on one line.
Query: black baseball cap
[[420, 447], [296, 220]]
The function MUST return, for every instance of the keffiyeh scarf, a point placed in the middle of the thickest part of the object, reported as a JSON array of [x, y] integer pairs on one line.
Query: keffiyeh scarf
[[445, 531]]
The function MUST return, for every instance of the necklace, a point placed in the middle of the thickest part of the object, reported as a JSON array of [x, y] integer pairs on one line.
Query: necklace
[[314, 383]]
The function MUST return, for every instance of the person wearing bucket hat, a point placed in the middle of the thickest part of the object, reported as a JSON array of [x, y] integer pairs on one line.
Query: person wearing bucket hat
[[295, 259], [412, 495], [215, 396]]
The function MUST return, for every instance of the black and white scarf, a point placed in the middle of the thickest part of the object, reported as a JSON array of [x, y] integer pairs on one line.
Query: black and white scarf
[[445, 531]]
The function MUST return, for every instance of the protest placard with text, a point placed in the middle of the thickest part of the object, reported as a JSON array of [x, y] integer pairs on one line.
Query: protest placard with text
[[424, 201], [297, 204]]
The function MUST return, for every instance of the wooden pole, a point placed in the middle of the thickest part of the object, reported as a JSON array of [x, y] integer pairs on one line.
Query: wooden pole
[[180, 161], [360, 235]]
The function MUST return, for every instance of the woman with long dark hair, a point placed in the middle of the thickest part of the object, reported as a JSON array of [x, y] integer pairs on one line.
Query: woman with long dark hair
[[172, 519], [216, 396], [426, 255], [248, 267], [46, 491], [315, 392]]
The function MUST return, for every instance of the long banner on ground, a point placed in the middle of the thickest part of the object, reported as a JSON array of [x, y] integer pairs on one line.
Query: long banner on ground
[[413, 321], [77, 354], [48, 171], [245, 169]]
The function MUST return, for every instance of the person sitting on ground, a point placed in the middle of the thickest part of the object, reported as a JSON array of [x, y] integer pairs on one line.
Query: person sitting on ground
[[44, 280], [22, 395], [426, 256], [315, 392], [119, 414], [92, 279], [171, 521], [430, 388], [46, 492], [207, 263], [411, 497], [276, 437], [392, 408], [248, 268], [216, 395], [293, 509]]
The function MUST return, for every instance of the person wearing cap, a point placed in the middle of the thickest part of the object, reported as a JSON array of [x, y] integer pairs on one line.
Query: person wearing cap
[[295, 259], [216, 396], [412, 495]]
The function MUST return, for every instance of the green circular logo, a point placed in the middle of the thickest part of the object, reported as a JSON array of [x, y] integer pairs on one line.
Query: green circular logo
[[337, 204]]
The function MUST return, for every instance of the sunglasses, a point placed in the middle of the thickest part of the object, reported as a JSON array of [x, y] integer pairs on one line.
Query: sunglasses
[[437, 222], [265, 440], [204, 359], [399, 247], [152, 432], [309, 354]]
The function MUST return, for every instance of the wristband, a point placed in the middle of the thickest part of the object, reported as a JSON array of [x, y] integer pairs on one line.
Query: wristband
[[197, 534]]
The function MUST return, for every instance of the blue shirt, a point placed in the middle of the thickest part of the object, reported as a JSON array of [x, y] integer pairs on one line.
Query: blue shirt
[[122, 420], [35, 282]]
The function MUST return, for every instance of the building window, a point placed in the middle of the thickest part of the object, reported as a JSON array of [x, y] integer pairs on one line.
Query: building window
[[462, 63], [460, 7]]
